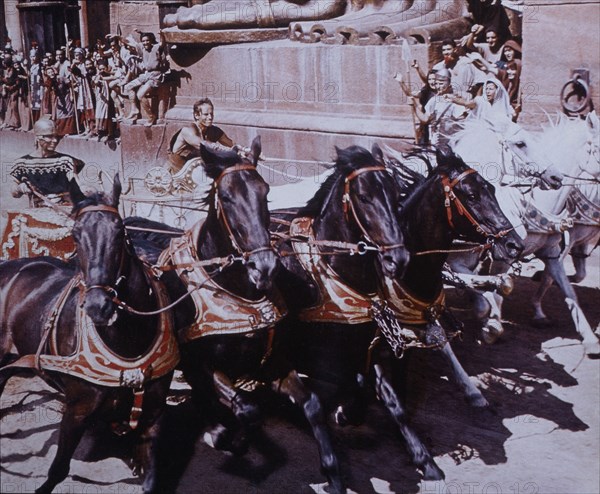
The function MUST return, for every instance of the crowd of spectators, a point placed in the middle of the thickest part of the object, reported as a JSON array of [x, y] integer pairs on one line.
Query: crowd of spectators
[[478, 77], [83, 90]]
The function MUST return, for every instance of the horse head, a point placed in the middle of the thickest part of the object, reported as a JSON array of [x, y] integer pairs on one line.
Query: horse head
[[502, 151], [101, 247], [238, 217], [358, 204], [472, 209]]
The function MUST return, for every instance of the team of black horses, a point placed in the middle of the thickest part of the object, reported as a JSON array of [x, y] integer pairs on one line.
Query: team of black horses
[[248, 300]]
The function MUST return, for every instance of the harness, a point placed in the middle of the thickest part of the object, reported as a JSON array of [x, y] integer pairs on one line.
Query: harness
[[218, 311], [409, 309], [337, 301], [537, 221], [582, 210], [451, 198], [92, 360]]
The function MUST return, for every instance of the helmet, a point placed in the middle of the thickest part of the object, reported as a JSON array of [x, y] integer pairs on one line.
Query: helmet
[[443, 74], [44, 127]]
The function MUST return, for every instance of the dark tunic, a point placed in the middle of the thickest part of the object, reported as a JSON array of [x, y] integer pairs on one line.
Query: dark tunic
[[48, 175]]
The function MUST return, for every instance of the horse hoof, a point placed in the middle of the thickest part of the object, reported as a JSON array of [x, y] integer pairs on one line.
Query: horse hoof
[[336, 487], [491, 332], [541, 322], [222, 439], [477, 401], [340, 417], [432, 472]]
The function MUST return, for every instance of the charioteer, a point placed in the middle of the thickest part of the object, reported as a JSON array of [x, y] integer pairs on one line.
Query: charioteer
[[45, 173], [185, 144]]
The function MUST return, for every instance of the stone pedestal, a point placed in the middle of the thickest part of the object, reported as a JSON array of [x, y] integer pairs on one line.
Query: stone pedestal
[[303, 99]]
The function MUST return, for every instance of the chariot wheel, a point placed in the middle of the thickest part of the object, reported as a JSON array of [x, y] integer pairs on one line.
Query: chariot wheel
[[159, 181]]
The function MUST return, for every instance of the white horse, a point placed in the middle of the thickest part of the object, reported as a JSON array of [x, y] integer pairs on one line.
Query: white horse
[[541, 219], [576, 142]]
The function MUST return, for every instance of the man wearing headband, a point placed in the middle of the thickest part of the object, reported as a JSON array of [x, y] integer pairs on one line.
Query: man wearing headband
[[44, 170]]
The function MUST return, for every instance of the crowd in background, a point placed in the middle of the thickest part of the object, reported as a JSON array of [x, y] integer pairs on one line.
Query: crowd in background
[[84, 90], [478, 77]]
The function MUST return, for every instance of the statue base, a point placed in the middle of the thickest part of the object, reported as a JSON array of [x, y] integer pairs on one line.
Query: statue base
[[303, 99]]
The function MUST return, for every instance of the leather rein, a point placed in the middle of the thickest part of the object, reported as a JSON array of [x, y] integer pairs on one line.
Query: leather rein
[[111, 290], [451, 198], [243, 255], [348, 205]]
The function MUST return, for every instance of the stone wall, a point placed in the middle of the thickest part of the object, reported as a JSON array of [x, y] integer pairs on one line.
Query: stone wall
[[558, 36], [302, 98]]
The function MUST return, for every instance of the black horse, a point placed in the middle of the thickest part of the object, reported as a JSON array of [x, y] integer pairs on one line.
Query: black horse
[[64, 323], [344, 356], [453, 203], [226, 264]]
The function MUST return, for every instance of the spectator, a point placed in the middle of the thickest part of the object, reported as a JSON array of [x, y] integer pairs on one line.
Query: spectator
[[442, 113], [427, 92], [83, 96], [116, 60], [466, 77], [104, 106], [11, 89], [154, 64], [185, 144], [35, 85], [23, 103], [493, 105], [59, 97], [512, 84], [511, 52], [44, 170], [62, 65], [490, 14], [491, 50]]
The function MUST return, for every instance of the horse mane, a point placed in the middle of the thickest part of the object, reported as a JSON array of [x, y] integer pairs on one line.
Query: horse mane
[[412, 191], [562, 136], [214, 163], [95, 199], [348, 160]]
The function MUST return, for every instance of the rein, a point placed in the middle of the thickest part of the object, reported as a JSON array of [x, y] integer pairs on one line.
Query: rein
[[244, 255], [348, 205], [112, 290], [450, 198], [45, 199]]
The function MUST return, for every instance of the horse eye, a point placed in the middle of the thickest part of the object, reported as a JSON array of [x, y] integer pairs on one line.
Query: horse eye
[[520, 144], [363, 198]]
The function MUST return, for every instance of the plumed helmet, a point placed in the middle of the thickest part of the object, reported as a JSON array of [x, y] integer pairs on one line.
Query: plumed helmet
[[44, 127]]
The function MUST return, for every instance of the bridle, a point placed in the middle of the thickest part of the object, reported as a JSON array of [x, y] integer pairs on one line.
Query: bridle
[[451, 198], [348, 205], [515, 165], [244, 255], [111, 290]]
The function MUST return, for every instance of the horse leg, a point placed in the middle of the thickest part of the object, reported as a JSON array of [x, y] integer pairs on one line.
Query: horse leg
[[145, 459], [474, 397], [578, 256], [353, 410], [417, 450], [78, 410], [540, 319], [292, 387], [590, 340], [492, 327], [233, 435]]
